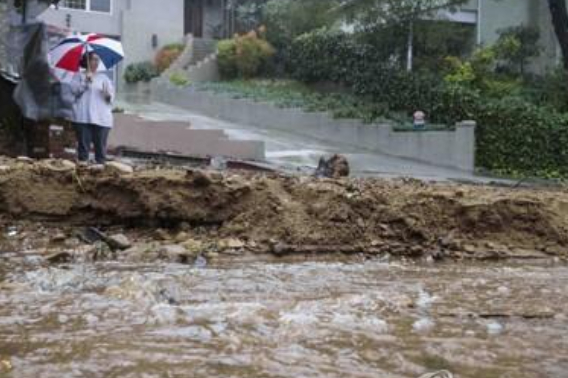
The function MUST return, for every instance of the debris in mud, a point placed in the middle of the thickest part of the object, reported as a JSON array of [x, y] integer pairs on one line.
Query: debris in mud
[[59, 258], [233, 213], [118, 241], [335, 167], [119, 168]]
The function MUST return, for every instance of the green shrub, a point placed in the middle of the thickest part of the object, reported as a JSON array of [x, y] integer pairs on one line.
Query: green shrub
[[179, 79], [244, 56], [325, 55], [549, 90], [516, 136], [138, 72], [227, 58], [520, 131]]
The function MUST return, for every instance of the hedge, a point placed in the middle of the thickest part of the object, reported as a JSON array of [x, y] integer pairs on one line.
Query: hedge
[[137, 72], [514, 136]]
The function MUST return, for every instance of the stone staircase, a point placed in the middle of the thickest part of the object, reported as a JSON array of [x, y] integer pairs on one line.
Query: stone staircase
[[198, 61], [202, 49]]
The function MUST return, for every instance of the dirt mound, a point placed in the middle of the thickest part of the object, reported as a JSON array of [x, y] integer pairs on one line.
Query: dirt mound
[[279, 214]]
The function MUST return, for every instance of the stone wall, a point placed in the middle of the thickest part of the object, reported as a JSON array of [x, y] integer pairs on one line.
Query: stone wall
[[453, 149]]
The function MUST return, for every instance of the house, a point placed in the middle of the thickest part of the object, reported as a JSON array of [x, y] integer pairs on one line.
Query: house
[[144, 26], [490, 16]]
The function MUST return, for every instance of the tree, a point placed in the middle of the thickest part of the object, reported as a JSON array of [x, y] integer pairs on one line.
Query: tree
[[517, 45], [288, 19], [372, 15], [559, 12]]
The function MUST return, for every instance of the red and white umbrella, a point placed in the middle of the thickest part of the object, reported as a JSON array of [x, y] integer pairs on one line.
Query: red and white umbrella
[[68, 53]]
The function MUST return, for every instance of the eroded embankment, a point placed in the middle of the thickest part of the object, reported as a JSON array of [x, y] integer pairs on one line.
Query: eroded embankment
[[271, 213]]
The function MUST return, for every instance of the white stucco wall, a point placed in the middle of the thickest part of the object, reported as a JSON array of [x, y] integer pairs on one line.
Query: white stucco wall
[[144, 18]]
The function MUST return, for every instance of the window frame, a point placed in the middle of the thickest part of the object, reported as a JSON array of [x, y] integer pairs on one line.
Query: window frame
[[88, 8]]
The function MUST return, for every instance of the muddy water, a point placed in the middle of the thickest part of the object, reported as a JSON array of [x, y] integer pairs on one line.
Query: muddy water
[[278, 319]]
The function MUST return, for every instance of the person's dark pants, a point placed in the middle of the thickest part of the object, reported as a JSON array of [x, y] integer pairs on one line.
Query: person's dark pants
[[88, 134]]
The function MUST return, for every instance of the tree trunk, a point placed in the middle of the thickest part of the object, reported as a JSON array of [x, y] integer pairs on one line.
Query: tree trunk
[[559, 12], [410, 48]]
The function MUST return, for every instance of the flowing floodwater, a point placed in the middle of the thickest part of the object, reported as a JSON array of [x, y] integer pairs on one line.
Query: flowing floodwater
[[282, 319]]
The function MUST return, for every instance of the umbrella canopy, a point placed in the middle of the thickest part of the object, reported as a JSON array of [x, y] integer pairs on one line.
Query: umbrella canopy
[[68, 53]]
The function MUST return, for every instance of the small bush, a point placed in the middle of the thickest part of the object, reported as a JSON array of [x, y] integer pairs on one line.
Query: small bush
[[227, 58], [244, 56], [167, 55], [138, 72], [179, 79]]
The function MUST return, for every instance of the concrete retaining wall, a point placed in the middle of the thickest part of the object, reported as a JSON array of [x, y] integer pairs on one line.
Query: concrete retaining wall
[[455, 149]]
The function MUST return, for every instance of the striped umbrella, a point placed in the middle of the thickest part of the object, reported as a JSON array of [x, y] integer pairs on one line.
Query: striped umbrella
[[68, 53]]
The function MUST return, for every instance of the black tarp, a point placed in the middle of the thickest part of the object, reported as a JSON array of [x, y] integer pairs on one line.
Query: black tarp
[[39, 94]]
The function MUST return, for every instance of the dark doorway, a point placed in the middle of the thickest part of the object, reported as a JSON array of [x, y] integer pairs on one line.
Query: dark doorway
[[194, 18]]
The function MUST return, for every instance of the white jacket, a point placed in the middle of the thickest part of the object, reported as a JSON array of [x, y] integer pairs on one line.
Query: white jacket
[[92, 106]]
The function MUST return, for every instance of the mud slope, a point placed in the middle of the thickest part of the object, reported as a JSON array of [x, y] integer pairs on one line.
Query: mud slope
[[298, 214]]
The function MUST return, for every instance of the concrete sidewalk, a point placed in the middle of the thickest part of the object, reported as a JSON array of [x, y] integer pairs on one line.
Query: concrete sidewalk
[[290, 151]]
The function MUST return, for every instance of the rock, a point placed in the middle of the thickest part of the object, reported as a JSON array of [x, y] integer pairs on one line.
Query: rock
[[72, 242], [554, 250], [199, 178], [494, 328], [59, 237], [59, 258], [184, 226], [231, 244], [182, 237], [193, 246], [469, 248], [5, 365], [175, 253], [172, 249], [59, 165], [24, 159], [5, 168], [161, 234], [377, 243], [492, 246], [68, 164], [416, 250], [118, 241], [135, 252], [280, 249], [120, 168]]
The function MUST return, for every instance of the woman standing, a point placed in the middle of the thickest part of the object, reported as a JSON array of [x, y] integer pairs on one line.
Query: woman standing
[[92, 117]]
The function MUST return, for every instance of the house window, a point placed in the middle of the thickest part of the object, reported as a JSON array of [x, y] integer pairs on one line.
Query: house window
[[100, 6], [75, 4], [88, 5]]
